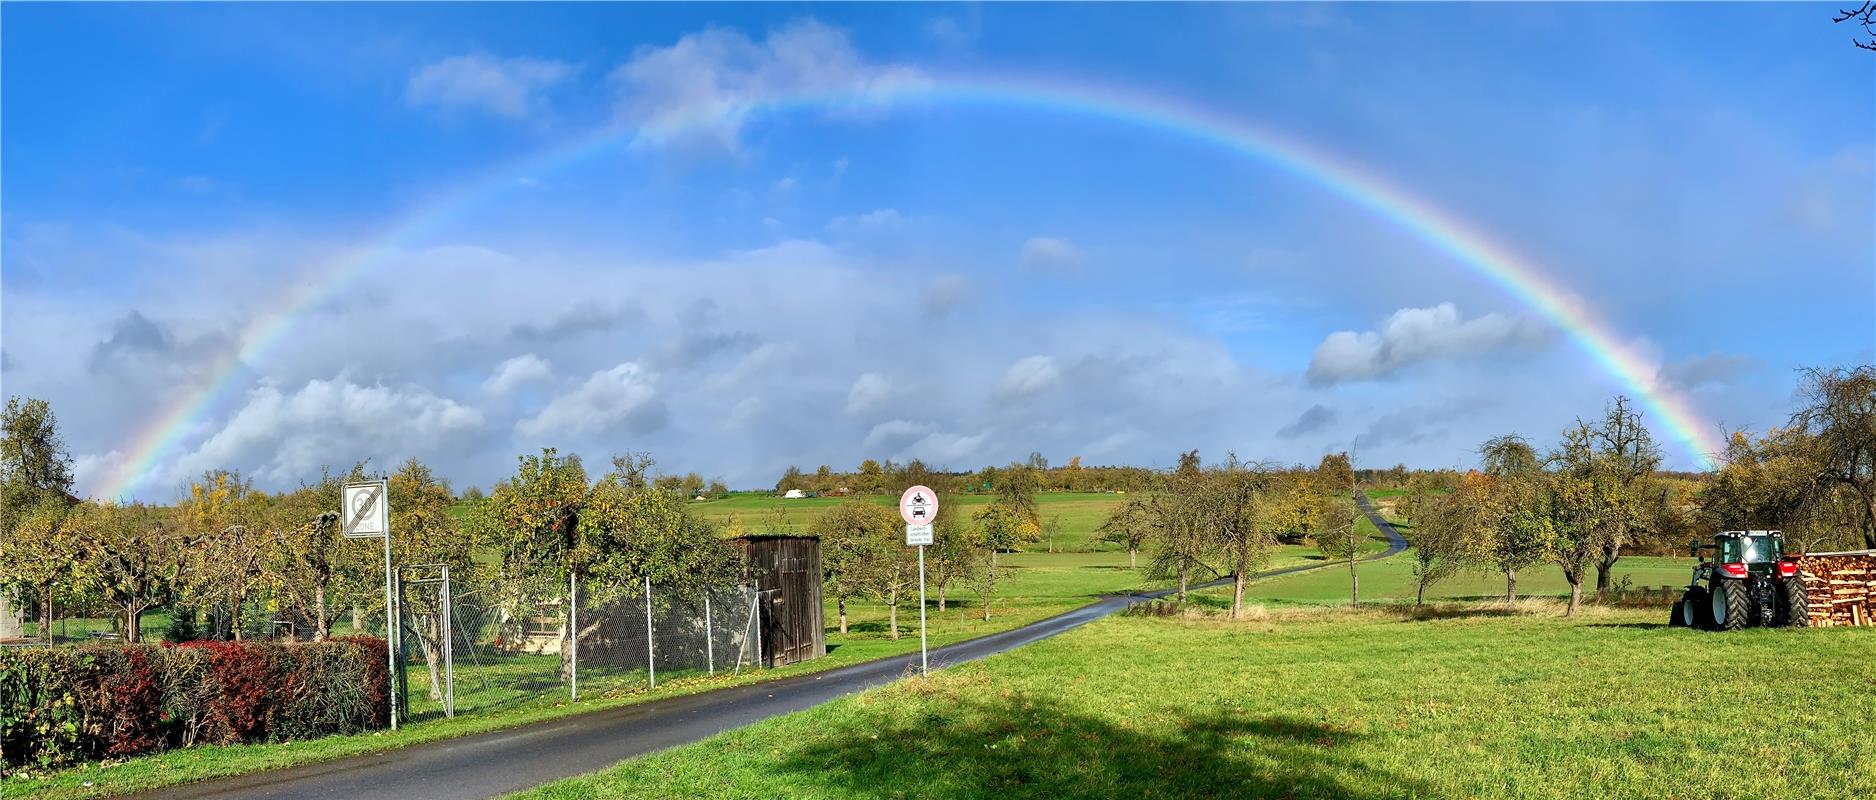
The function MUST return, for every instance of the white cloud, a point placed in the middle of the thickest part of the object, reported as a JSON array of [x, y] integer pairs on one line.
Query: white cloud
[[1049, 254], [944, 449], [624, 395], [1415, 335], [516, 371], [877, 220], [507, 87], [893, 433], [701, 91], [1029, 376], [288, 436], [868, 393]]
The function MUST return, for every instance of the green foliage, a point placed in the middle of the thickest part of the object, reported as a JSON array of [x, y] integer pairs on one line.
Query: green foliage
[[59, 705]]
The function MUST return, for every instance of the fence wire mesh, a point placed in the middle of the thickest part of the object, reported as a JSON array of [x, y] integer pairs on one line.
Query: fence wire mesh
[[507, 652]]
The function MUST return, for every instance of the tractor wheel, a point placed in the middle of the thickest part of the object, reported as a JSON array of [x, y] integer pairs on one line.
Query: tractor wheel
[[1677, 613], [1695, 610], [1732, 609], [1793, 610]]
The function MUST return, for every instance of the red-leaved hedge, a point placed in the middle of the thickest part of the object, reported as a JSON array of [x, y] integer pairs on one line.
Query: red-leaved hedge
[[60, 705]]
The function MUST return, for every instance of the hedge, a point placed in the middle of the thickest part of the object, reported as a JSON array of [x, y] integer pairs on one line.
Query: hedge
[[60, 705]]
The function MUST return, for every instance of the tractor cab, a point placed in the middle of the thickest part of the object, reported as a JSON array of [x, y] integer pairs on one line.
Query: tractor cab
[[1747, 581], [1739, 553]]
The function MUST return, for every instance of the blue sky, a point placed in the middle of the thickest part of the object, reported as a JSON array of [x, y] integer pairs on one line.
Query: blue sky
[[955, 280]]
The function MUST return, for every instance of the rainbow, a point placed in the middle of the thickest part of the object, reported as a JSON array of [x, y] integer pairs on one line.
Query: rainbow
[[1516, 275]]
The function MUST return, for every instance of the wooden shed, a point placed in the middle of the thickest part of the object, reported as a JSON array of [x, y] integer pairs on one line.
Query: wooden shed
[[787, 572]]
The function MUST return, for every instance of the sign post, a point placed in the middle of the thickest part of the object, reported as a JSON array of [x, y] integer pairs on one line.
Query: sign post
[[918, 506], [365, 513]]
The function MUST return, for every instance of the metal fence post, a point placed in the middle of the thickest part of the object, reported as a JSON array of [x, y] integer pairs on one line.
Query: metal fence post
[[573, 635], [761, 661], [449, 652], [747, 624], [710, 658], [651, 652]]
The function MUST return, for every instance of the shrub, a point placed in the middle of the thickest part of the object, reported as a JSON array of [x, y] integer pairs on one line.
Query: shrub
[[61, 705]]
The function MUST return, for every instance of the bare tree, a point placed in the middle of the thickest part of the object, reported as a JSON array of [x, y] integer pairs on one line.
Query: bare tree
[[1864, 16]]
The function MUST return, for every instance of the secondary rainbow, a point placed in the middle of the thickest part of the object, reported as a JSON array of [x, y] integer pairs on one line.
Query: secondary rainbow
[[1519, 277]]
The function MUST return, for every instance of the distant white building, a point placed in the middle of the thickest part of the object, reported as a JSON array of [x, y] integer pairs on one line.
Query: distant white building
[[794, 494]]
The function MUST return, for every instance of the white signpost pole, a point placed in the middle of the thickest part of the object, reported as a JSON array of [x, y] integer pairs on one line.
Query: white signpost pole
[[924, 668], [365, 512], [918, 506]]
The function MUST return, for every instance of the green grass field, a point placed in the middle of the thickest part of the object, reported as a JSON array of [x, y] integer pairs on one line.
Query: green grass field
[[1472, 701], [1392, 580], [1078, 513]]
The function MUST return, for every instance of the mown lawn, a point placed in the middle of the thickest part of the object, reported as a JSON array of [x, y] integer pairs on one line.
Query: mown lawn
[[1476, 701], [1077, 514], [1392, 580]]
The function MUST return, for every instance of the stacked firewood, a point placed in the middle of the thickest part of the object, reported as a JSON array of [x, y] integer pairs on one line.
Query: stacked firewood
[[1839, 588]]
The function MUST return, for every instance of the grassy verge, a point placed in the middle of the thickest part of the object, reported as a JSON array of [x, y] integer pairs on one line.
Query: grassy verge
[[1040, 585], [1470, 700]]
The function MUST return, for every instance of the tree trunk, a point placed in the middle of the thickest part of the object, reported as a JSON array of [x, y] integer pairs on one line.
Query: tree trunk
[[892, 612], [234, 615], [1511, 586], [1182, 582], [133, 625], [1354, 582], [1237, 594], [45, 614], [322, 626], [1133, 554], [941, 597], [841, 603], [986, 606], [1576, 597], [1420, 597]]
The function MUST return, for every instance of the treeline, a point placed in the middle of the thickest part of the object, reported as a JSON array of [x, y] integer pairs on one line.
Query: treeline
[[888, 477], [1597, 493], [1206, 522]]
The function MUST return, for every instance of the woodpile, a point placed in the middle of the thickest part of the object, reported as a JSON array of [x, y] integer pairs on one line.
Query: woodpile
[[1839, 588]]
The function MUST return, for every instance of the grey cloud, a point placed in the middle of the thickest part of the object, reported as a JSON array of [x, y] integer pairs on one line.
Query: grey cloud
[[583, 319], [1713, 369], [134, 334], [1415, 335], [1313, 419], [946, 294]]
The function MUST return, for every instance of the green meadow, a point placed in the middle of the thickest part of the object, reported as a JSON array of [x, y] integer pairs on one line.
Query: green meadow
[[1454, 700]]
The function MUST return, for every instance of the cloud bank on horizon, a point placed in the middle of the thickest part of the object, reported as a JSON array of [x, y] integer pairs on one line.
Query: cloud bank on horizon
[[746, 288]]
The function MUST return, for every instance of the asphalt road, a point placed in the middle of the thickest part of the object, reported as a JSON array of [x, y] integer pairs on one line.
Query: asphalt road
[[499, 762]]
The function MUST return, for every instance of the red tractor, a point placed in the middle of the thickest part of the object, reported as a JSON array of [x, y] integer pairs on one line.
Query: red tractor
[[1748, 582]]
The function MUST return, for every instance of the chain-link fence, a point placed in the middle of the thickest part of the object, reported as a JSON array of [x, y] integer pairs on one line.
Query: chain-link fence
[[506, 651]]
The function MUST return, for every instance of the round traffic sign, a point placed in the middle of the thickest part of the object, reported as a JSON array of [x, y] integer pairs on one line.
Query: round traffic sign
[[918, 506]]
